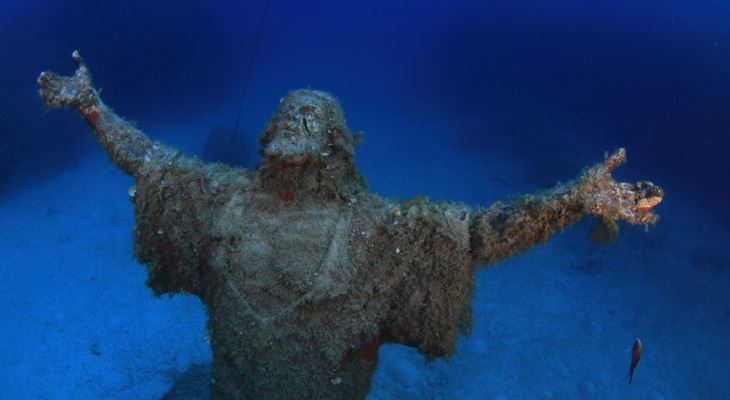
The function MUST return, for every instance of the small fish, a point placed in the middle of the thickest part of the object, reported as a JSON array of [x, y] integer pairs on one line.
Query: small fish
[[635, 357]]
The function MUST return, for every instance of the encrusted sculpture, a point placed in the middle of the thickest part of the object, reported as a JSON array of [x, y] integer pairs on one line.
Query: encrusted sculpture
[[303, 271]]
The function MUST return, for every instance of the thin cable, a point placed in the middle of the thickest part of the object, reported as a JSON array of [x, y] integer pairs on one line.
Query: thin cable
[[249, 67]]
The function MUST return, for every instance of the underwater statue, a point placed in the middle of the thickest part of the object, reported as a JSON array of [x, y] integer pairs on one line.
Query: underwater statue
[[304, 272]]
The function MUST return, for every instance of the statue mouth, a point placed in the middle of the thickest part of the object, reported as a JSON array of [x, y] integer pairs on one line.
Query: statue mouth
[[292, 161], [296, 160]]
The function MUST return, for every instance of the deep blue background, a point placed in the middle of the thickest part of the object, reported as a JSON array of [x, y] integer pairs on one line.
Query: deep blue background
[[554, 82], [545, 86]]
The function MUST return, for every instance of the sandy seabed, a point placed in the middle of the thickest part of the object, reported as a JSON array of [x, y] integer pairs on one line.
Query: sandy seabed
[[555, 323]]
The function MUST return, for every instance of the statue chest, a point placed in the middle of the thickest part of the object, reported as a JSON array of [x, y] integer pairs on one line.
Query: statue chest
[[273, 260]]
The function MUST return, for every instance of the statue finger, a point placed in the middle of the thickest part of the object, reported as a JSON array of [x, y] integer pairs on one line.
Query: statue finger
[[615, 159]]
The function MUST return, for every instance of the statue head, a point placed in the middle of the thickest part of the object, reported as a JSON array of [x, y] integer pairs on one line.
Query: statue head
[[308, 150], [308, 126]]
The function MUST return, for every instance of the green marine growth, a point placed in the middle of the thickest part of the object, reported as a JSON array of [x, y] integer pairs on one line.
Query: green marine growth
[[304, 272]]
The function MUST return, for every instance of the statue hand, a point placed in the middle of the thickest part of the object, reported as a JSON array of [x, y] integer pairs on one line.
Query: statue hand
[[603, 197], [75, 90], [128, 147]]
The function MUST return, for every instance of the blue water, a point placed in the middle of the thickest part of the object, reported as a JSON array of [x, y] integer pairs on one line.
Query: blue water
[[469, 101]]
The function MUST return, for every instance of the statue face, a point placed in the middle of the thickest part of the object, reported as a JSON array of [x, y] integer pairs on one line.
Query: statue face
[[307, 125]]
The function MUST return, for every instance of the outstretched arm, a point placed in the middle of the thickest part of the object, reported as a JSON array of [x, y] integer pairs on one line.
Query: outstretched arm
[[504, 230], [173, 194], [129, 149]]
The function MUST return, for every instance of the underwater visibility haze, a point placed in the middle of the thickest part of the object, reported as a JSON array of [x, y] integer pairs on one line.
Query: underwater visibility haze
[[364, 200]]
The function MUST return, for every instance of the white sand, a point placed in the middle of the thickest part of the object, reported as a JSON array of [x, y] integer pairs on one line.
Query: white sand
[[555, 323]]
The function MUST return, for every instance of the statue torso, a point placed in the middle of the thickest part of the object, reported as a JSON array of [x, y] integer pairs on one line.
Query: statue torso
[[276, 255]]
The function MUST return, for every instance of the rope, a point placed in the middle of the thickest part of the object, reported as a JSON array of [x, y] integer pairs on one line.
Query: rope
[[249, 67]]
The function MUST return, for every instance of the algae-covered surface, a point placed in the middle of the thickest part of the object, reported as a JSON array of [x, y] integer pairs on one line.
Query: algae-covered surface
[[469, 103]]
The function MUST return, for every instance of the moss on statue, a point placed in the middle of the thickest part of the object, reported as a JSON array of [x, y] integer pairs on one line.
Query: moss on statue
[[304, 272]]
